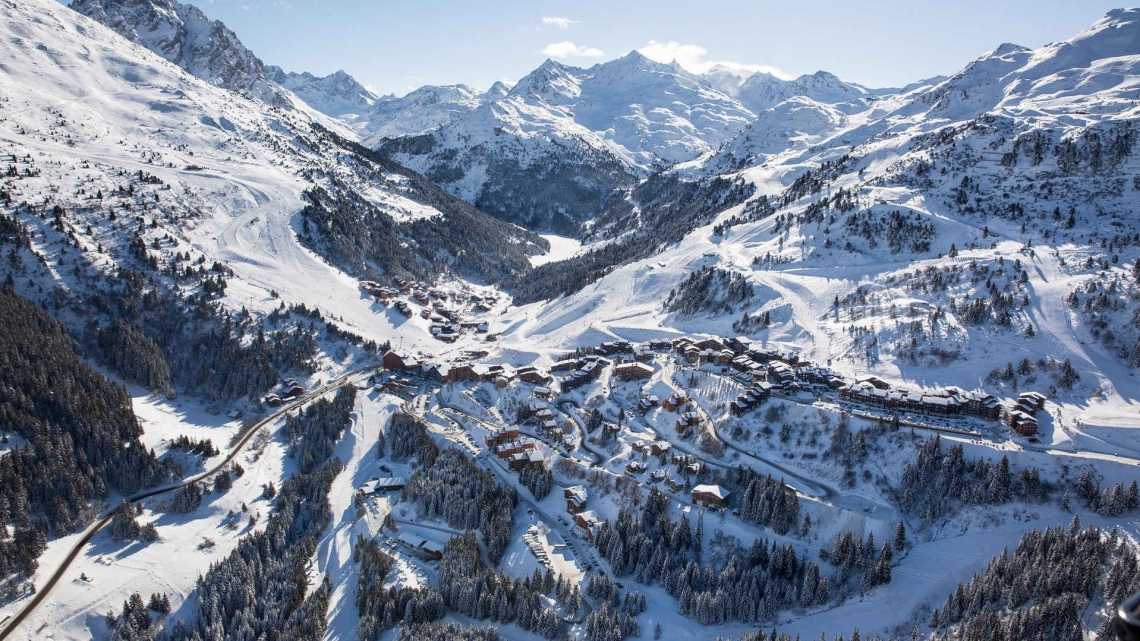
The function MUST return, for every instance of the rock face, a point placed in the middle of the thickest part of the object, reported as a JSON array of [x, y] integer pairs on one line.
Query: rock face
[[186, 37]]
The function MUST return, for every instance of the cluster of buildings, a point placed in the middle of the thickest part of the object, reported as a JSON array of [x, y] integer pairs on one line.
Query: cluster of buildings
[[519, 452], [948, 402], [290, 390], [445, 323], [581, 371], [501, 375], [751, 399]]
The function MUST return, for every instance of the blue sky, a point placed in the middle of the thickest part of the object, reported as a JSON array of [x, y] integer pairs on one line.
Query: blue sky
[[394, 47]]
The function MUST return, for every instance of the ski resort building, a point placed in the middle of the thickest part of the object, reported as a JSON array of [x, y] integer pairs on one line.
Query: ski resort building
[[632, 371], [576, 499]]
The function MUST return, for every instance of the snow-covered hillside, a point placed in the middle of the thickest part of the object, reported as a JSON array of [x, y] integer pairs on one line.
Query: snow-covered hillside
[[184, 35], [83, 109], [936, 237]]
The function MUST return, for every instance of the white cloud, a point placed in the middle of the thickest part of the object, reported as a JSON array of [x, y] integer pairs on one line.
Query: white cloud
[[567, 49], [692, 57], [561, 23]]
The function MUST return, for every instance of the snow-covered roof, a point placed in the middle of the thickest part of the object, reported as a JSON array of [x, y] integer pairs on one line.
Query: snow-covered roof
[[714, 490]]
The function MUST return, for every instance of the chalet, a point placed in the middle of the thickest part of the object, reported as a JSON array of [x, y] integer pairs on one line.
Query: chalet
[[692, 353], [739, 407], [635, 467], [632, 371], [591, 368], [292, 391], [676, 484], [545, 393], [1022, 423], [749, 400], [647, 403], [432, 550], [643, 354], [377, 485], [687, 420], [693, 469], [780, 373], [658, 475], [438, 373], [421, 547], [1030, 402], [522, 460], [660, 448], [534, 376], [370, 287], [710, 344], [638, 446], [744, 364], [502, 382], [710, 496], [682, 344], [273, 400], [676, 401], [724, 357], [738, 344], [576, 499], [466, 372], [532, 408], [589, 522], [394, 360], [404, 308], [567, 365], [616, 347]]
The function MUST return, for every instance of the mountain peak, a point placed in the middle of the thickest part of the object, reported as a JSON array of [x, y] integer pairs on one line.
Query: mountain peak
[[337, 94], [186, 37]]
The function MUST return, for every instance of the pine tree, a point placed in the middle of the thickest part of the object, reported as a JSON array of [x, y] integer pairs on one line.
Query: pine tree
[[900, 536]]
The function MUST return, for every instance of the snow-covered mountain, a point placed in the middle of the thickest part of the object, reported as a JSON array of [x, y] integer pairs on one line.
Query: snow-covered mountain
[[184, 35], [560, 141], [337, 94], [421, 110], [271, 190]]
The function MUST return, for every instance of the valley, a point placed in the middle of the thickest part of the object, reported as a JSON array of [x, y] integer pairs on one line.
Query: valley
[[624, 351]]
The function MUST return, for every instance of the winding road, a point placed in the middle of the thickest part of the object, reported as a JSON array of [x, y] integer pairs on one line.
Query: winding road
[[44, 590]]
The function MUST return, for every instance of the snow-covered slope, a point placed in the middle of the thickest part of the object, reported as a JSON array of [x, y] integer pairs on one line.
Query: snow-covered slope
[[945, 231], [183, 35], [231, 174]]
